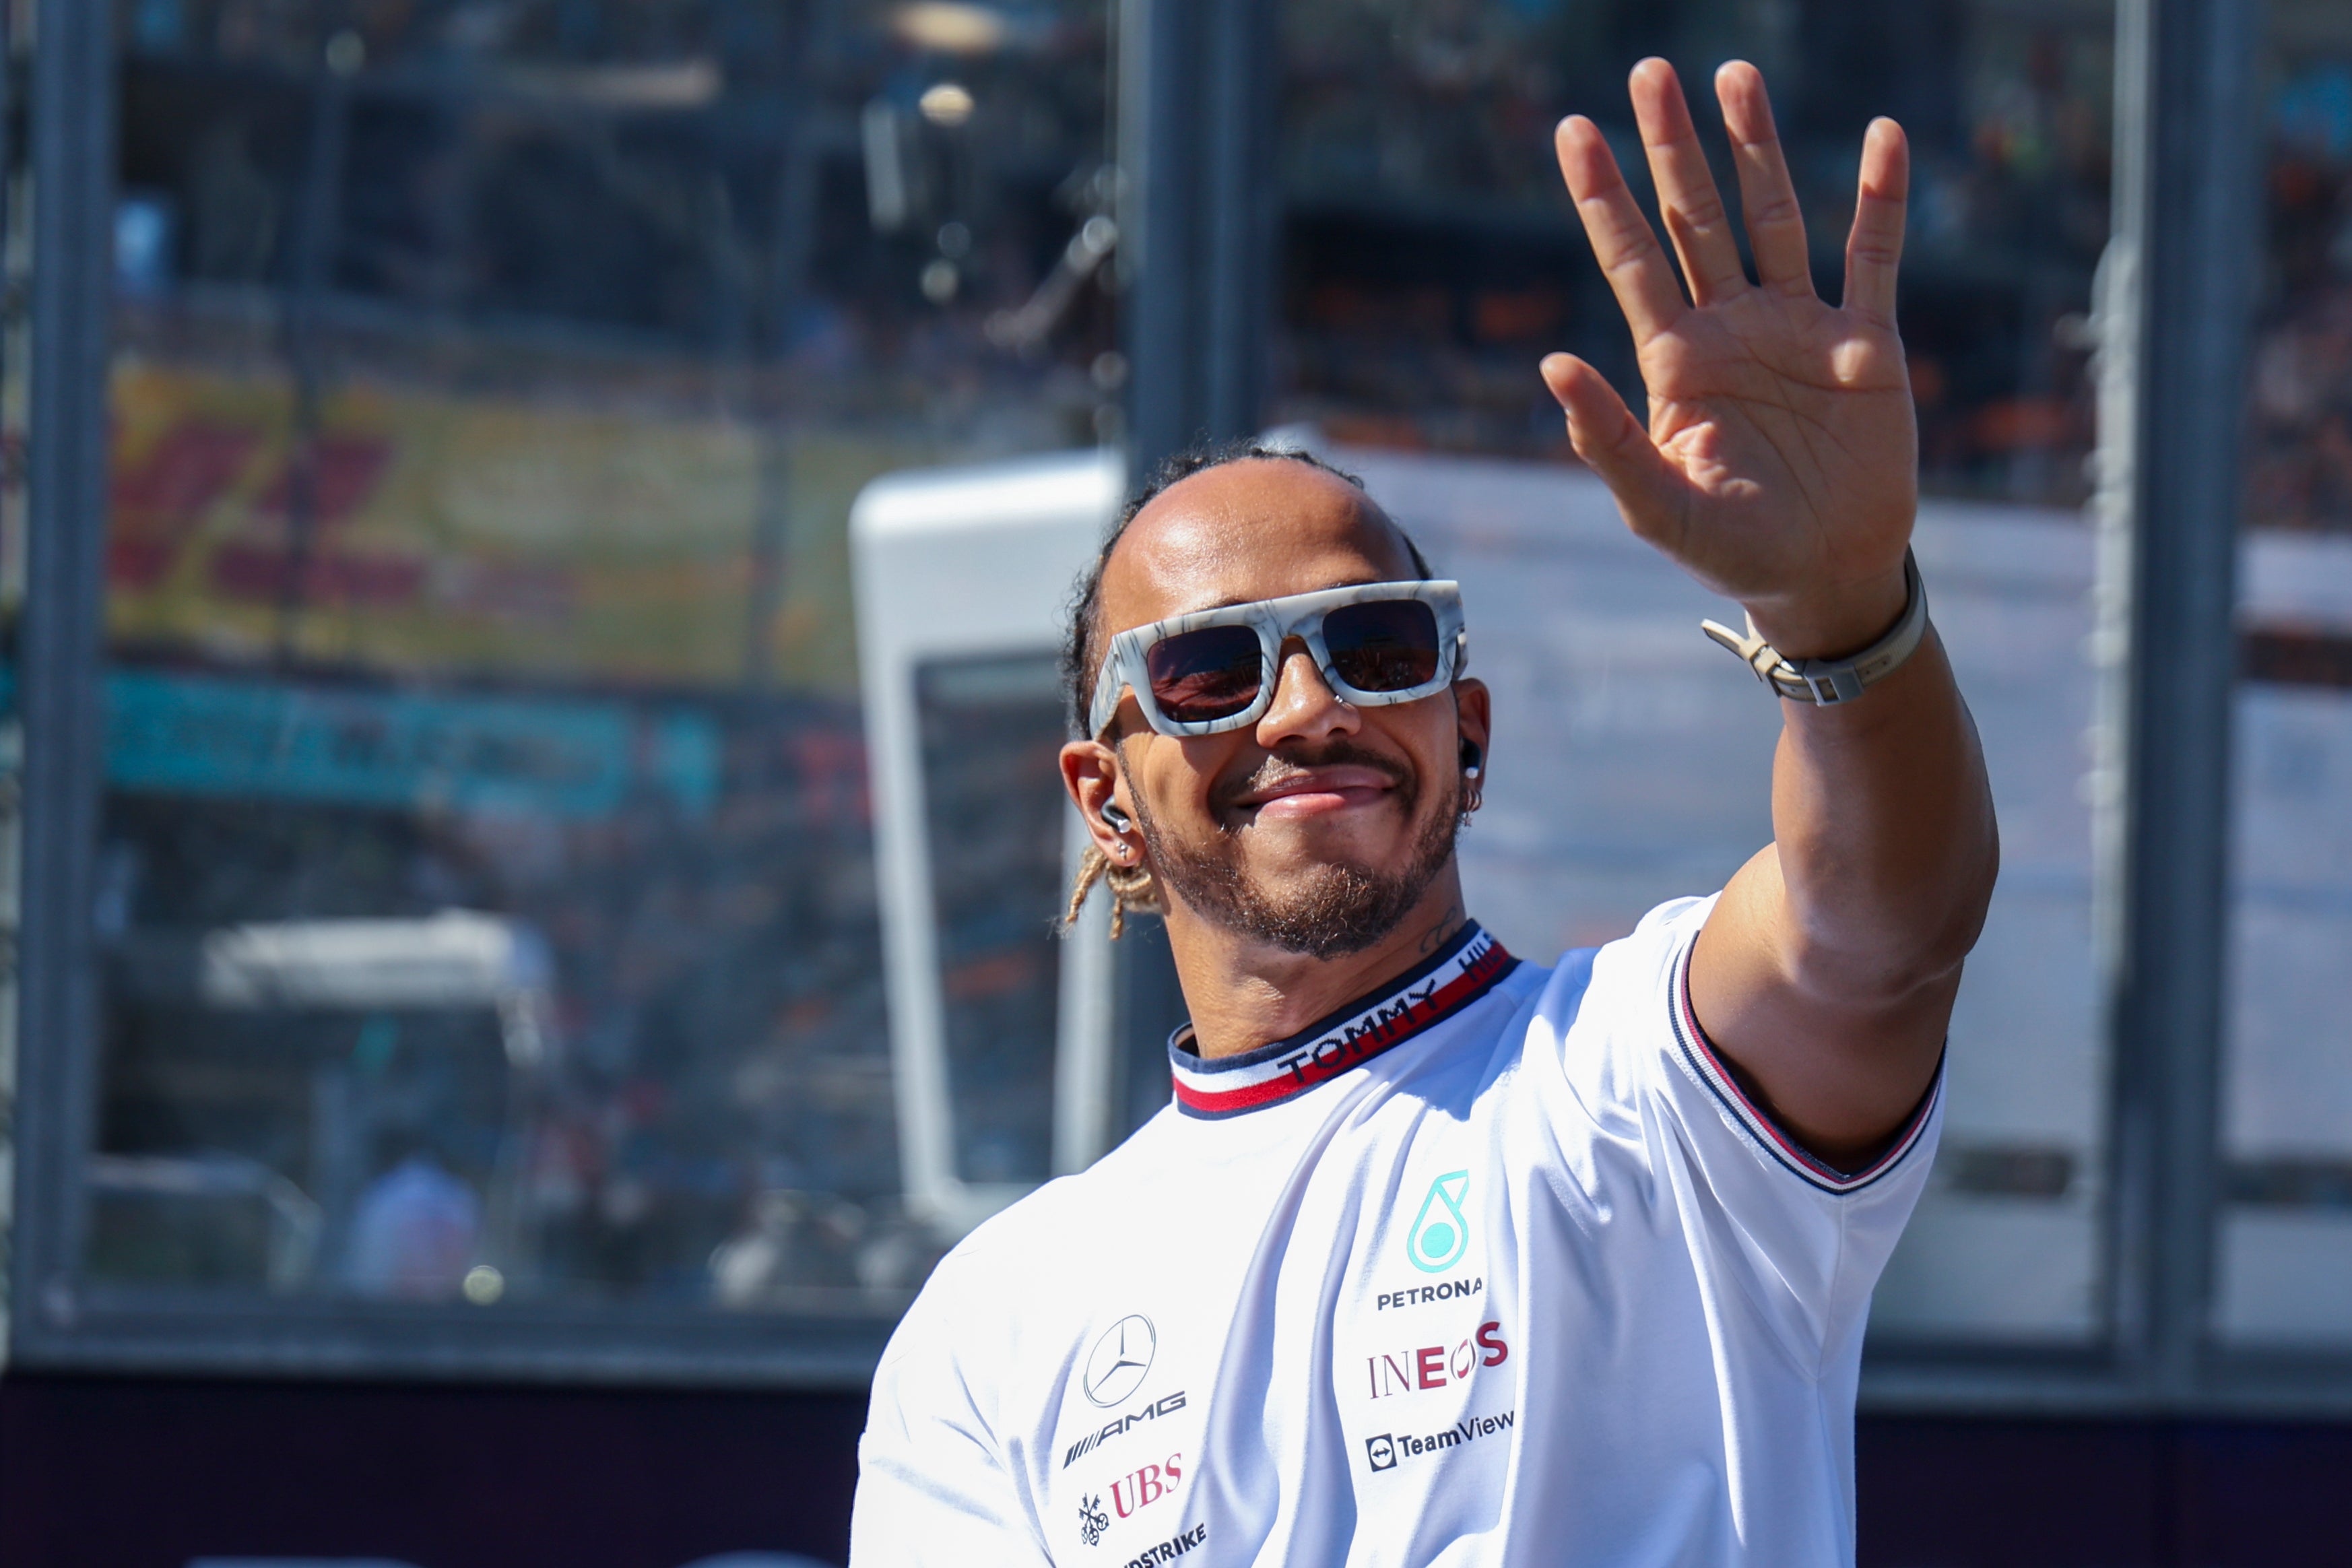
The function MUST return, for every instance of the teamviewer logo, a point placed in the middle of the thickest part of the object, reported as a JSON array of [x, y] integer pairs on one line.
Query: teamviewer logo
[[1381, 1451]]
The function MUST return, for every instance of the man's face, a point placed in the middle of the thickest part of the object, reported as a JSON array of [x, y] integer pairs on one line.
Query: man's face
[[1318, 829]]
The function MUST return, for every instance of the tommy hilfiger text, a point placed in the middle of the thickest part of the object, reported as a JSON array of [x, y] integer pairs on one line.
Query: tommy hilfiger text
[[1381, 1026]]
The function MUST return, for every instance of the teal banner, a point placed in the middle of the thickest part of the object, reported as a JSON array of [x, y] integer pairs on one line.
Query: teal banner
[[572, 758]]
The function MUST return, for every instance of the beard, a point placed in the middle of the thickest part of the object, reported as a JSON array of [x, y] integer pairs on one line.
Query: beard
[[1339, 907]]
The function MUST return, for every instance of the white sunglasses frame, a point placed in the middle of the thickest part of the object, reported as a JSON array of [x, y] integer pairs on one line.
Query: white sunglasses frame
[[1126, 667]]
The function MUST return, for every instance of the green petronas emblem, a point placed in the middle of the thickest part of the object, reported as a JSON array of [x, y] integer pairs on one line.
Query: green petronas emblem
[[1440, 1235]]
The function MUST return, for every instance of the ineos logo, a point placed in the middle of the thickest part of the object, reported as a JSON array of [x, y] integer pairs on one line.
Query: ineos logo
[[1120, 1359]]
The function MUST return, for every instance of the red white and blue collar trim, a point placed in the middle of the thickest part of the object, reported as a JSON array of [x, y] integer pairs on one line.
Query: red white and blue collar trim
[[1700, 1053], [1459, 972]]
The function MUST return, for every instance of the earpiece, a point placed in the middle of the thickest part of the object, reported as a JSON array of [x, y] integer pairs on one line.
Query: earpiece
[[1118, 820], [1472, 757]]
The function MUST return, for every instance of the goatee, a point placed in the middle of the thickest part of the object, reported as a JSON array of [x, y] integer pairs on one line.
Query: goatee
[[1340, 907]]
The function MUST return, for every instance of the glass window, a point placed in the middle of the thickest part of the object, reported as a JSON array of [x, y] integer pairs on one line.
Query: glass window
[[993, 729], [1431, 257], [2285, 1262], [487, 900]]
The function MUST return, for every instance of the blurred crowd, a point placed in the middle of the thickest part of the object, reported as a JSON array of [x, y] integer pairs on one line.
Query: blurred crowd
[[2299, 456], [1434, 257]]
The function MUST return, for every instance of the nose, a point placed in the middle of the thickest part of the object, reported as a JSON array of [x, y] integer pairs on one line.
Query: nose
[[1304, 709]]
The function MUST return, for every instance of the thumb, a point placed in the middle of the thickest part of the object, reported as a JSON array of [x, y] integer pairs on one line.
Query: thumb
[[1649, 490]]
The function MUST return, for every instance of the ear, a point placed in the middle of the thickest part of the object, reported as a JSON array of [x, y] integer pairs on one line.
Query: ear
[[1474, 716], [1091, 776]]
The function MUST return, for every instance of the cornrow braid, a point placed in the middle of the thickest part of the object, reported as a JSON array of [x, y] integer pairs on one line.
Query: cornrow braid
[[1132, 889]]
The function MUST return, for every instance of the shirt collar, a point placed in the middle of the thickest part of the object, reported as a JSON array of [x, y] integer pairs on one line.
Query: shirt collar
[[1431, 991]]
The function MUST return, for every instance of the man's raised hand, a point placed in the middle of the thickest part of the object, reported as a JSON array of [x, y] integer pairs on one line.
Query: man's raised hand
[[1780, 462]]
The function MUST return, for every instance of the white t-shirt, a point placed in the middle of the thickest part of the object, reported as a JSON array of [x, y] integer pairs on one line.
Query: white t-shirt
[[1496, 1267]]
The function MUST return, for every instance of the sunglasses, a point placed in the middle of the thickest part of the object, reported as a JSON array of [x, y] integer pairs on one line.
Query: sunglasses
[[1215, 670]]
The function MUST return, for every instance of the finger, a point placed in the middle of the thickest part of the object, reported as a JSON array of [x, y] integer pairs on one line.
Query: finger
[[1695, 219], [1768, 198], [1637, 270], [1874, 249], [1649, 490]]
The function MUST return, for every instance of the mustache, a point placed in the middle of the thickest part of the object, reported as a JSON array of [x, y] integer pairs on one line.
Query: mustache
[[1281, 766]]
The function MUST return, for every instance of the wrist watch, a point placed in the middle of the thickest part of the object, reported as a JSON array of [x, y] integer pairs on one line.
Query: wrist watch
[[1827, 681]]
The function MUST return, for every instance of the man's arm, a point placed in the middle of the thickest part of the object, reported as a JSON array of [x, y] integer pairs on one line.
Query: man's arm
[[1780, 467], [932, 1485]]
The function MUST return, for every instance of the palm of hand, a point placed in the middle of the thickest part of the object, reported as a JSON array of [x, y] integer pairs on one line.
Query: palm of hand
[[1780, 461], [1791, 425]]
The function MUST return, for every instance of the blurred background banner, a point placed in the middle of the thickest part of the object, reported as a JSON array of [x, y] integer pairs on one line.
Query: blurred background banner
[[447, 533], [532, 537]]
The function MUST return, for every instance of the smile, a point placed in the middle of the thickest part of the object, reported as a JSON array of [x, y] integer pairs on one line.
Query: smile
[[1315, 792]]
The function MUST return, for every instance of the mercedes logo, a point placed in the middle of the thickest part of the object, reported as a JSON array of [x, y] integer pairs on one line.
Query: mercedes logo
[[1120, 1359]]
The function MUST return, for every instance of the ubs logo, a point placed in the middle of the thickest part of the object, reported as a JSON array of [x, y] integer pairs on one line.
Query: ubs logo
[[1130, 1495], [1120, 1359], [1133, 1493]]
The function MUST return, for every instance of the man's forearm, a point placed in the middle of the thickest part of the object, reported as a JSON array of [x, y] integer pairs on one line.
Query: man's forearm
[[1884, 824], [1827, 973]]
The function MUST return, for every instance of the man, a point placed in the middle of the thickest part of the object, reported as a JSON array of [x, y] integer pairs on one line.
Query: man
[[1439, 1256]]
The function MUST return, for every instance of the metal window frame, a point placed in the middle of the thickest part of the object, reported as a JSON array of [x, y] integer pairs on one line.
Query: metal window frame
[[1195, 95], [72, 157], [2175, 314], [1195, 134], [63, 1322]]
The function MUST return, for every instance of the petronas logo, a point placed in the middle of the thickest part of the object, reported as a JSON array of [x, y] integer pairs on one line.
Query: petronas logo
[[1440, 1235]]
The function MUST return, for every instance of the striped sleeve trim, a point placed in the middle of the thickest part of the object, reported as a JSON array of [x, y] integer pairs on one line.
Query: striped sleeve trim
[[1700, 1053]]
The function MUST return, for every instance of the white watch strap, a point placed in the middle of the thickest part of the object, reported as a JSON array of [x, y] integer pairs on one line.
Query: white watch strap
[[1824, 681]]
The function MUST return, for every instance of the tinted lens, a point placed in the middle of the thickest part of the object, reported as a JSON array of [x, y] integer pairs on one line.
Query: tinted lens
[[1387, 644], [1209, 674]]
